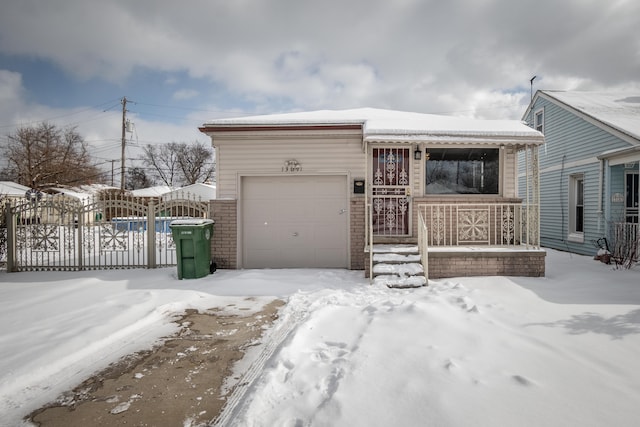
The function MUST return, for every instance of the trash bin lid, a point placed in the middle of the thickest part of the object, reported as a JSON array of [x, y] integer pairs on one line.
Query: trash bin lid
[[191, 221]]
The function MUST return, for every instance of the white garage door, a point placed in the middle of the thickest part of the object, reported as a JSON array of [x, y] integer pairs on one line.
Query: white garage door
[[294, 222]]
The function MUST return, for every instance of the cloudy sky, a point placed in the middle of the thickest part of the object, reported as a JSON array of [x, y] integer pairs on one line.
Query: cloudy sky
[[70, 62]]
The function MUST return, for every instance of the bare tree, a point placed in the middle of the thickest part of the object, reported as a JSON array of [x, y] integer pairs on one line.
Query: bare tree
[[180, 163], [137, 178], [3, 229], [196, 162], [163, 159], [45, 155]]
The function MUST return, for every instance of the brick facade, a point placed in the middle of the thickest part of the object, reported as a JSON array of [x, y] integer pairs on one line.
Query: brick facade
[[357, 233], [486, 263], [224, 244]]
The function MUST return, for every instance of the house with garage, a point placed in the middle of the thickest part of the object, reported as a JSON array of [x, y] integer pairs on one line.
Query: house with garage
[[393, 193], [588, 169]]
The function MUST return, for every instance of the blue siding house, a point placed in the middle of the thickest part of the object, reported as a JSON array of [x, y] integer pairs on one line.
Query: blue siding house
[[588, 169]]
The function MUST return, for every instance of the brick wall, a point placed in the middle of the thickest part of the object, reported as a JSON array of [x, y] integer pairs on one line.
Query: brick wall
[[507, 263], [224, 244], [357, 233]]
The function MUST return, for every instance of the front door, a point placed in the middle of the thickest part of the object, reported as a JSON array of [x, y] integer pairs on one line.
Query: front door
[[390, 191]]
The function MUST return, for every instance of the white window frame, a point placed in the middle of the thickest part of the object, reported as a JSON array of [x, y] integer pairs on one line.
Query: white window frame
[[576, 201], [538, 125]]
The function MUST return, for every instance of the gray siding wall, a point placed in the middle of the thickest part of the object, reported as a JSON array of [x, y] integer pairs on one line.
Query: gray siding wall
[[571, 147]]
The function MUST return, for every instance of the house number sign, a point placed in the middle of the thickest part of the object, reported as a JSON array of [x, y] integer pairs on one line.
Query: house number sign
[[617, 198], [291, 165]]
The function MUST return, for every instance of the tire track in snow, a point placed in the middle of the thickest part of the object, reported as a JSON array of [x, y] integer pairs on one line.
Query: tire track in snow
[[236, 400]]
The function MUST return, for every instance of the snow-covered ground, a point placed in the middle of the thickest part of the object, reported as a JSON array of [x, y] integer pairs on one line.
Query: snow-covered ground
[[556, 351]]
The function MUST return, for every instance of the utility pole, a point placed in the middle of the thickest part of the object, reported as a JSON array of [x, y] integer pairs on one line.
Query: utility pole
[[112, 170], [124, 139]]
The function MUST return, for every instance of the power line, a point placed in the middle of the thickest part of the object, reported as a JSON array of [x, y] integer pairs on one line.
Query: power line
[[60, 116]]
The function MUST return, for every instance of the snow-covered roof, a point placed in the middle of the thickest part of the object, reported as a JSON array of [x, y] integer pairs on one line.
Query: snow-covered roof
[[390, 125], [70, 192], [199, 191], [156, 191], [619, 110], [13, 189]]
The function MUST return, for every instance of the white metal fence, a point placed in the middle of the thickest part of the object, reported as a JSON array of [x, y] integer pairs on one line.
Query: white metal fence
[[111, 230]]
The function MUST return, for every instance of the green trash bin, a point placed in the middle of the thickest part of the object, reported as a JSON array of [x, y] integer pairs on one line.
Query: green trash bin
[[193, 246]]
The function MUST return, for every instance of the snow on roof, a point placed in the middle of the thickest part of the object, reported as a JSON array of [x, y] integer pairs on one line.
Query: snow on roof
[[199, 191], [9, 188], [620, 110], [156, 191], [95, 188], [71, 192], [390, 125]]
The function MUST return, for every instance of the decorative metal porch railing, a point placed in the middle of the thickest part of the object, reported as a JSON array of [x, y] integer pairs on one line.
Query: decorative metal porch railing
[[503, 224], [423, 246]]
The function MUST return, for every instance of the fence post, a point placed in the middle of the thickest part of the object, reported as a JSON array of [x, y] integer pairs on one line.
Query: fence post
[[151, 235], [80, 230], [11, 221]]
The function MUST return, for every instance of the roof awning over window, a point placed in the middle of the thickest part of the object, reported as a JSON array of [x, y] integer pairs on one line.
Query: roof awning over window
[[621, 156]]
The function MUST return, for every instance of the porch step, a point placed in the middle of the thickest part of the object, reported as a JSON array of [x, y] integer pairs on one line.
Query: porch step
[[401, 268], [397, 249], [397, 266], [395, 281]]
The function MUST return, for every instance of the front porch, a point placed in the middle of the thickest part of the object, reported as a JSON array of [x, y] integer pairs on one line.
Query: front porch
[[495, 238], [462, 205]]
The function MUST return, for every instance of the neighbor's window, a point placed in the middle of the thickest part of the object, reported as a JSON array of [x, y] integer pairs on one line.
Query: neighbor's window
[[463, 170], [539, 121], [576, 208]]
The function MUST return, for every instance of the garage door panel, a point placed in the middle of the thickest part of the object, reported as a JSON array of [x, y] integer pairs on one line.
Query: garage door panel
[[330, 257], [259, 189], [262, 211], [263, 258], [329, 208], [262, 237], [328, 237], [294, 221]]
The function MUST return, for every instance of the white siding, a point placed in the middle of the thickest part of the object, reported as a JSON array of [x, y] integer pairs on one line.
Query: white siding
[[316, 154], [509, 172]]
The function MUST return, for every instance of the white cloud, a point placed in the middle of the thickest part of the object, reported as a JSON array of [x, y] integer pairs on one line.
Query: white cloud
[[10, 87], [185, 94], [421, 55]]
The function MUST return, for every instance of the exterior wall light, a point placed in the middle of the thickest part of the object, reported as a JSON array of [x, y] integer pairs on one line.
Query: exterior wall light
[[417, 155]]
